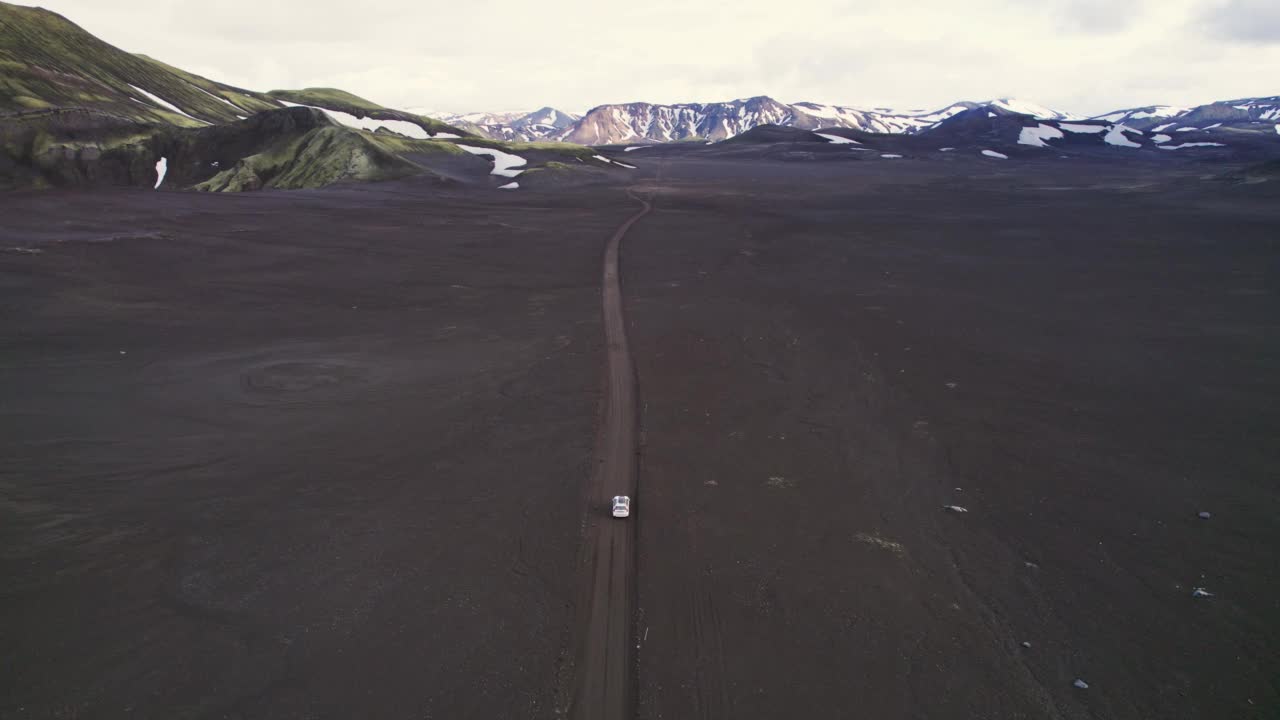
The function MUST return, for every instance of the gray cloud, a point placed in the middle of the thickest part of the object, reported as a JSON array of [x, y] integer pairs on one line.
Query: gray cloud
[[1096, 16], [1251, 21]]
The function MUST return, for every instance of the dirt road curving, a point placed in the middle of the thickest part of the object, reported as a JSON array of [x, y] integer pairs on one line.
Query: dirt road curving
[[602, 665]]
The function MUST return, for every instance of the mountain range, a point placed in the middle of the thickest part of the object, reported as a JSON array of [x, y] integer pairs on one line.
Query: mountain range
[[1241, 131], [641, 122], [644, 123], [77, 110], [545, 123]]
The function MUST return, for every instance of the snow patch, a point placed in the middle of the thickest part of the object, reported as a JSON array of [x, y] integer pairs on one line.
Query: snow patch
[[606, 160], [1186, 145], [891, 156], [1161, 139], [400, 127], [509, 186], [994, 154], [1187, 129], [945, 149], [164, 103], [445, 136], [1115, 136], [1215, 125], [1025, 107], [822, 111], [837, 140], [1159, 111], [633, 148], [1278, 129], [1162, 128], [1039, 135], [503, 162], [219, 98], [1071, 127], [162, 169]]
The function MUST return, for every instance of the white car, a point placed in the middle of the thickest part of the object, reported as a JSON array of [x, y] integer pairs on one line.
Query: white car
[[621, 506]]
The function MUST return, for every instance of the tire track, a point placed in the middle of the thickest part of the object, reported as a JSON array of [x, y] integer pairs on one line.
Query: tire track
[[602, 669]]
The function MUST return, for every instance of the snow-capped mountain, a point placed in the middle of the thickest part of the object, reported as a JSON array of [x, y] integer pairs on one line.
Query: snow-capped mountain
[[1035, 110], [812, 116], [640, 123], [655, 123], [546, 123], [645, 122], [1134, 116], [994, 128], [996, 134], [1243, 112]]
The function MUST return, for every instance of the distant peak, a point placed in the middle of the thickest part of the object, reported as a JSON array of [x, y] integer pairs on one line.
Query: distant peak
[[1028, 107]]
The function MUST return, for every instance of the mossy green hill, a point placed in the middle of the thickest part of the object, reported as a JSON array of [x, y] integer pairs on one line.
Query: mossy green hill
[[48, 62], [291, 148], [76, 111], [331, 98]]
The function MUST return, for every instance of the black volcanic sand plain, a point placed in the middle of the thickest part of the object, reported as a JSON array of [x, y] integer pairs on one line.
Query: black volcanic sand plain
[[323, 453]]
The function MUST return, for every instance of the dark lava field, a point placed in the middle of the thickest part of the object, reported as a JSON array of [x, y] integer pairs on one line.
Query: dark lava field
[[917, 439]]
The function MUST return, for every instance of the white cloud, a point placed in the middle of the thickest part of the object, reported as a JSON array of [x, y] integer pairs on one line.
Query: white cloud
[[1084, 56]]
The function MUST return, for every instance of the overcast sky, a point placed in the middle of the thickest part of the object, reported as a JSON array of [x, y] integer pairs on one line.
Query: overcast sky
[[1086, 56]]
